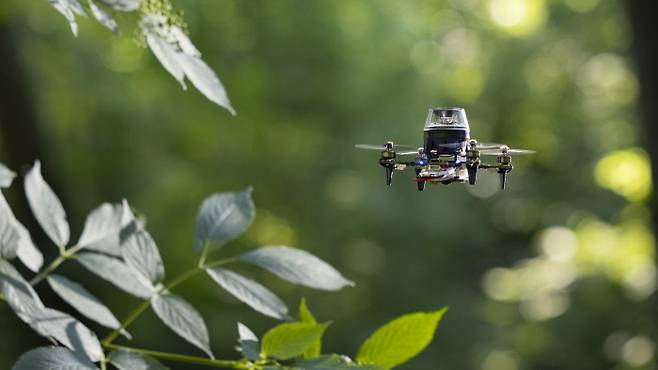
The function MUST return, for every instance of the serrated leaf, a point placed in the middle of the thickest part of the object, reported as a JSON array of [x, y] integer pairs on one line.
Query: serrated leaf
[[27, 252], [306, 316], [46, 207], [52, 323], [142, 255], [6, 176], [250, 292], [400, 340], [53, 358], [298, 267], [9, 233], [223, 217], [124, 360], [122, 5], [83, 301], [331, 362], [103, 227], [183, 319], [103, 17], [290, 340], [249, 346], [116, 272]]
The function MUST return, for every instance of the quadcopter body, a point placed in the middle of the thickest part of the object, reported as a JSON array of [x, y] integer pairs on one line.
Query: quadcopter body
[[448, 154]]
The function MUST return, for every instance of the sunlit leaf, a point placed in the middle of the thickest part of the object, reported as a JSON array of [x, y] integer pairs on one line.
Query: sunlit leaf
[[10, 278], [103, 17], [290, 340], [142, 255], [46, 207], [69, 8], [250, 292], [52, 323], [103, 227], [248, 341], [306, 316], [6, 176], [9, 233], [124, 360], [53, 358], [116, 272], [223, 217], [205, 80], [183, 319], [83, 301], [400, 340], [182, 59], [166, 54], [122, 5], [27, 252], [298, 267]]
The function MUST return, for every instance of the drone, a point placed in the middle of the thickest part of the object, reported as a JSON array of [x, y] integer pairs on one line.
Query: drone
[[449, 155]]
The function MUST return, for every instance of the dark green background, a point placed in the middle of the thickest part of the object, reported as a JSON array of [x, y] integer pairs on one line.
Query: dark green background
[[311, 78]]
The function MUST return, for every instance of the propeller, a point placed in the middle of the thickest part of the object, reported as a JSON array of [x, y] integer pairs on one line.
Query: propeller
[[381, 147], [410, 152], [505, 150]]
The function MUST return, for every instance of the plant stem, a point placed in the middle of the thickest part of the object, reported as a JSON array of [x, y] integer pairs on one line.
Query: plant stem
[[146, 303], [64, 254], [52, 267], [225, 364]]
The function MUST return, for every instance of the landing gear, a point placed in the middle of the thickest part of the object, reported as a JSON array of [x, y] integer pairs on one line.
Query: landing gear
[[389, 175], [421, 185], [503, 178], [472, 173]]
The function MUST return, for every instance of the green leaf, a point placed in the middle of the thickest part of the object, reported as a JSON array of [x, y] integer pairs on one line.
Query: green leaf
[[142, 255], [9, 233], [401, 339], [223, 217], [124, 360], [6, 176], [298, 267], [53, 358], [183, 319], [306, 316], [250, 292], [290, 340], [83, 301], [249, 346], [46, 207], [116, 272]]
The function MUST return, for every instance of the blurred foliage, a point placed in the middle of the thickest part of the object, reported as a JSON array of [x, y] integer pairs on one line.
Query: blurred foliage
[[555, 272]]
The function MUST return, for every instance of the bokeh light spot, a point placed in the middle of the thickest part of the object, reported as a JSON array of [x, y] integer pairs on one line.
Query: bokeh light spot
[[638, 351], [500, 360], [626, 172], [518, 17]]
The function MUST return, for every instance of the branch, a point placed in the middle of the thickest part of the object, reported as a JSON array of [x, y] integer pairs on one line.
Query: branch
[[147, 302], [224, 364]]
